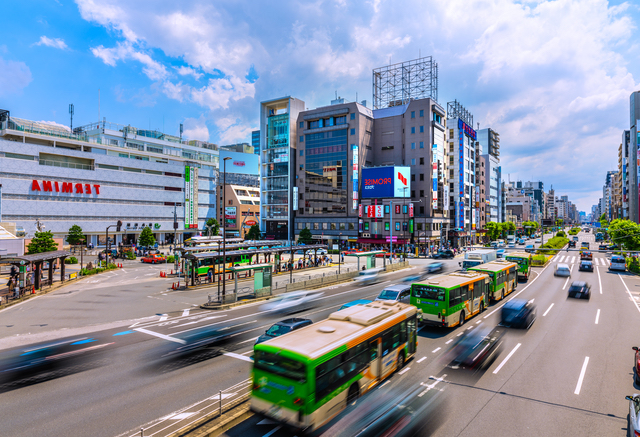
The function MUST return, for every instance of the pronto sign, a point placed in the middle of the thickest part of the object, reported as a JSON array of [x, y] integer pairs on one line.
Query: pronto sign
[[383, 182], [65, 187]]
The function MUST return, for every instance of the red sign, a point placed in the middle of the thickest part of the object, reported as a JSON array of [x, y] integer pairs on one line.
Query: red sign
[[397, 209], [411, 210], [251, 222], [402, 178], [239, 163], [65, 187], [360, 210]]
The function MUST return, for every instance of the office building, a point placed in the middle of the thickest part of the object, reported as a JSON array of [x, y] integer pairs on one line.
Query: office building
[[255, 141], [490, 144], [241, 210], [239, 148]]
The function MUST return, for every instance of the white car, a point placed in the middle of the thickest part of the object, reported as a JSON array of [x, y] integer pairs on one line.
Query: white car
[[368, 277], [618, 262], [538, 240], [397, 293], [311, 252], [562, 270], [292, 302], [634, 412]]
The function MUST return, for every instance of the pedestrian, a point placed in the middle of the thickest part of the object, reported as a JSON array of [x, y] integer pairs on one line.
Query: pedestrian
[[210, 275]]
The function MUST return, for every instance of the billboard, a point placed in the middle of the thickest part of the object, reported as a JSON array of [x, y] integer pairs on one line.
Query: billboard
[[244, 163], [229, 216], [375, 211], [354, 163], [382, 182], [191, 197]]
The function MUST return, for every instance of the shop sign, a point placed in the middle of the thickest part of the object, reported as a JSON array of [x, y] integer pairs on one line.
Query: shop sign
[[156, 226], [251, 222], [65, 187]]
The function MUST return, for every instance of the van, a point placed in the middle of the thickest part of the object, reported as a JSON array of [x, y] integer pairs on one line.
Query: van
[[618, 263], [575, 238]]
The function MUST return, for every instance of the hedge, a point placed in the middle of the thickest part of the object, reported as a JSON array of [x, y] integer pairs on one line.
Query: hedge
[[71, 260], [87, 272], [633, 265], [560, 234], [554, 243], [538, 260], [574, 231], [171, 259]]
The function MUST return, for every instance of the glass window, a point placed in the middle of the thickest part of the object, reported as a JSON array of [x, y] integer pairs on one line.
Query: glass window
[[316, 226], [300, 225], [397, 226], [421, 161], [341, 120], [301, 124], [422, 176], [325, 226], [281, 366], [413, 178], [302, 153], [353, 131], [353, 116], [341, 226], [421, 193], [413, 114], [333, 226], [421, 129], [422, 144], [422, 113], [413, 145], [413, 161], [352, 226], [301, 139], [413, 130], [413, 193]]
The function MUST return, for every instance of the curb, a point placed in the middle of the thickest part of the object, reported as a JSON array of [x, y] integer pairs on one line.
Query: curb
[[214, 428]]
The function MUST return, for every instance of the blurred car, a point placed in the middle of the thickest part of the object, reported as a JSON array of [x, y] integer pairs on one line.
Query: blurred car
[[586, 266], [575, 238], [529, 248], [397, 293], [562, 270], [153, 259], [500, 253], [538, 240], [477, 349], [613, 246], [634, 415], [292, 302], [443, 254], [572, 243], [518, 313], [584, 245], [384, 255], [522, 241], [283, 327], [618, 262], [586, 255], [580, 290], [368, 277], [355, 302], [433, 267], [603, 247], [311, 252]]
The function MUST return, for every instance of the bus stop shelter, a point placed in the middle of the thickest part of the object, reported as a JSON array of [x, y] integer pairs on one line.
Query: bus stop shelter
[[261, 277], [37, 260], [369, 258]]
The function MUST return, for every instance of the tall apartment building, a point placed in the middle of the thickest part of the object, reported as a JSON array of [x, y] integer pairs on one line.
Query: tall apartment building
[[550, 212], [255, 141], [535, 190], [634, 174], [463, 149], [623, 170], [490, 144], [277, 160]]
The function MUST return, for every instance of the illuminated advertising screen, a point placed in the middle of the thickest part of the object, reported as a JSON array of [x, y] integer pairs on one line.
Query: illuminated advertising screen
[[384, 182]]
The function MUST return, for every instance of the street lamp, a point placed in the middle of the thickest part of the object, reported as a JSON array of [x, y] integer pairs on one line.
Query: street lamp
[[118, 226], [224, 228]]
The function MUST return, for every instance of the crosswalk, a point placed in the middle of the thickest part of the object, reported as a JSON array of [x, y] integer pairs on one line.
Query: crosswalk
[[569, 259]]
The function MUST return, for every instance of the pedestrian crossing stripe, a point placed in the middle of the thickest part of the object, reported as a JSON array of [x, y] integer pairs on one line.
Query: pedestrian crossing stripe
[[572, 260]]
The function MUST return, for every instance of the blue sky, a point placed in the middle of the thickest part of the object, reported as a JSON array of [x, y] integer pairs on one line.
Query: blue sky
[[553, 78]]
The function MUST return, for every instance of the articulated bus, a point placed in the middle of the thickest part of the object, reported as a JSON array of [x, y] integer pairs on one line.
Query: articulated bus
[[449, 300], [305, 378], [503, 277], [523, 259]]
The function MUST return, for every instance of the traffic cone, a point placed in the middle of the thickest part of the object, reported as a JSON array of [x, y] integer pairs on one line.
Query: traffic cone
[[33, 289]]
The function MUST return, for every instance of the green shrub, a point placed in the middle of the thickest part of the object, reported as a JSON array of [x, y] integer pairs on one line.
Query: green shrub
[[171, 259], [633, 265], [560, 234], [574, 231], [71, 260], [554, 243], [131, 256], [538, 260], [87, 272]]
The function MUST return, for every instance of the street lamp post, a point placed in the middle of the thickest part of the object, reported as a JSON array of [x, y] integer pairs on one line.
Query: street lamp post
[[224, 228], [339, 251], [118, 226]]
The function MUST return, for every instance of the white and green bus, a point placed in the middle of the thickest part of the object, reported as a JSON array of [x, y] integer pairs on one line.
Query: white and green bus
[[305, 378]]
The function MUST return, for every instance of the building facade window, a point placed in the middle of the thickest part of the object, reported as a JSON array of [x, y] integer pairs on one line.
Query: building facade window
[[301, 139], [353, 116], [422, 144], [413, 145], [413, 129], [413, 114], [422, 176], [421, 129], [413, 161], [422, 113], [353, 131]]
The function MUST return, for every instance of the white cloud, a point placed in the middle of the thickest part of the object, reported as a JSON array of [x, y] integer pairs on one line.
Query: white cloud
[[16, 75], [125, 51], [56, 43], [188, 71], [56, 124], [196, 129], [219, 92]]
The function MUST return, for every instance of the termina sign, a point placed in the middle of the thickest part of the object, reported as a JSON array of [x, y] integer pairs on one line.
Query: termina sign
[[467, 130], [382, 182]]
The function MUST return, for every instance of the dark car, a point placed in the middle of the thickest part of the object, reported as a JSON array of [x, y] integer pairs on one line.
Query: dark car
[[518, 313], [283, 327], [586, 266], [586, 255], [613, 246], [572, 243], [603, 247], [443, 254], [477, 349], [580, 290]]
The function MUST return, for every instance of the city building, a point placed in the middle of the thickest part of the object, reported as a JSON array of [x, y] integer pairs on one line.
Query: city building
[[239, 148], [255, 141], [634, 176], [241, 210], [102, 173], [518, 205], [550, 212], [623, 170], [490, 144], [278, 142], [481, 190], [535, 190]]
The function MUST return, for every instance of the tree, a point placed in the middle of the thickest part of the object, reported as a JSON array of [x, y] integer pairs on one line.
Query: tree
[[211, 227], [625, 233], [604, 223], [253, 234], [305, 237], [146, 238], [508, 228], [493, 230], [529, 227], [75, 236], [42, 242]]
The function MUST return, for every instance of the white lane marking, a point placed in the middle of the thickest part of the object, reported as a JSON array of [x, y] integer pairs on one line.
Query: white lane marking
[[436, 350], [548, 309], [403, 371], [582, 372], [449, 341], [182, 416], [163, 318], [597, 316], [599, 281], [162, 336], [561, 258], [388, 381], [422, 359], [507, 358], [630, 296], [238, 356], [566, 282], [247, 341], [430, 386], [527, 286], [478, 322], [573, 259], [185, 312], [270, 433], [460, 334]]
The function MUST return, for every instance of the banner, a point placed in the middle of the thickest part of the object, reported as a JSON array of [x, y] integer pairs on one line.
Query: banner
[[191, 197], [229, 216]]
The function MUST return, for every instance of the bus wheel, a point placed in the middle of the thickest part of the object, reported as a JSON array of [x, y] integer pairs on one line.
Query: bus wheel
[[461, 318], [354, 394], [400, 362]]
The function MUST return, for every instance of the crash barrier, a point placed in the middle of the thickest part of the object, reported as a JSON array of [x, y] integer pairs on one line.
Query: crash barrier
[[206, 414], [396, 266]]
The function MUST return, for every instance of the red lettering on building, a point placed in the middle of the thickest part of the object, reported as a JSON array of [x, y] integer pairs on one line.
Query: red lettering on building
[[87, 189], [67, 187], [64, 187], [46, 186], [79, 189], [35, 186], [402, 178], [96, 187], [239, 163], [381, 181], [57, 187]]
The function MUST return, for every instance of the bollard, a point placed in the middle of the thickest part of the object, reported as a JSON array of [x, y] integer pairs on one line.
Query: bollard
[[220, 402], [141, 432]]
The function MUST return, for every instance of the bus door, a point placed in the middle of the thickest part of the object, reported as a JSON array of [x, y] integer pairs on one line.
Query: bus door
[[411, 335], [375, 364], [474, 304]]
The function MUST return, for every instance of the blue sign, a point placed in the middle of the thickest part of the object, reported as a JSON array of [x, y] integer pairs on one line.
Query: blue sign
[[246, 163], [384, 182]]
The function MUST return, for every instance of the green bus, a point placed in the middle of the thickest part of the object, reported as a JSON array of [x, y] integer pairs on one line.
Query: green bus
[[305, 378], [449, 300], [205, 263], [503, 277], [523, 259]]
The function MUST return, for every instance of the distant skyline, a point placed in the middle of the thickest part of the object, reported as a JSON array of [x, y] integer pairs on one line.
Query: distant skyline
[[552, 78]]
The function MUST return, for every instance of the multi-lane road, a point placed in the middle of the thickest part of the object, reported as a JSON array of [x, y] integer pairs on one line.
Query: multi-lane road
[[567, 375]]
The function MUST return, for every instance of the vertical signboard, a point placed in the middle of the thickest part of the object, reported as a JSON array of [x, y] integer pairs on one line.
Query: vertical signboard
[[295, 199], [460, 209], [434, 176], [230, 217], [191, 197], [411, 210], [638, 163], [354, 149]]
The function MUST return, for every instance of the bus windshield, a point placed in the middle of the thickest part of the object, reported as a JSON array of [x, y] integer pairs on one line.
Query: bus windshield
[[426, 292], [522, 261], [280, 365]]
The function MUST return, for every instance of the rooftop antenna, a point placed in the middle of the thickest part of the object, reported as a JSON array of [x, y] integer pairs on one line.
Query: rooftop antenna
[[71, 113], [181, 130], [336, 94]]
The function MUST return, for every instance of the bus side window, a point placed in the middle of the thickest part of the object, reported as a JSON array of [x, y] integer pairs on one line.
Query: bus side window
[[403, 332], [454, 296], [478, 290], [464, 293], [373, 347]]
